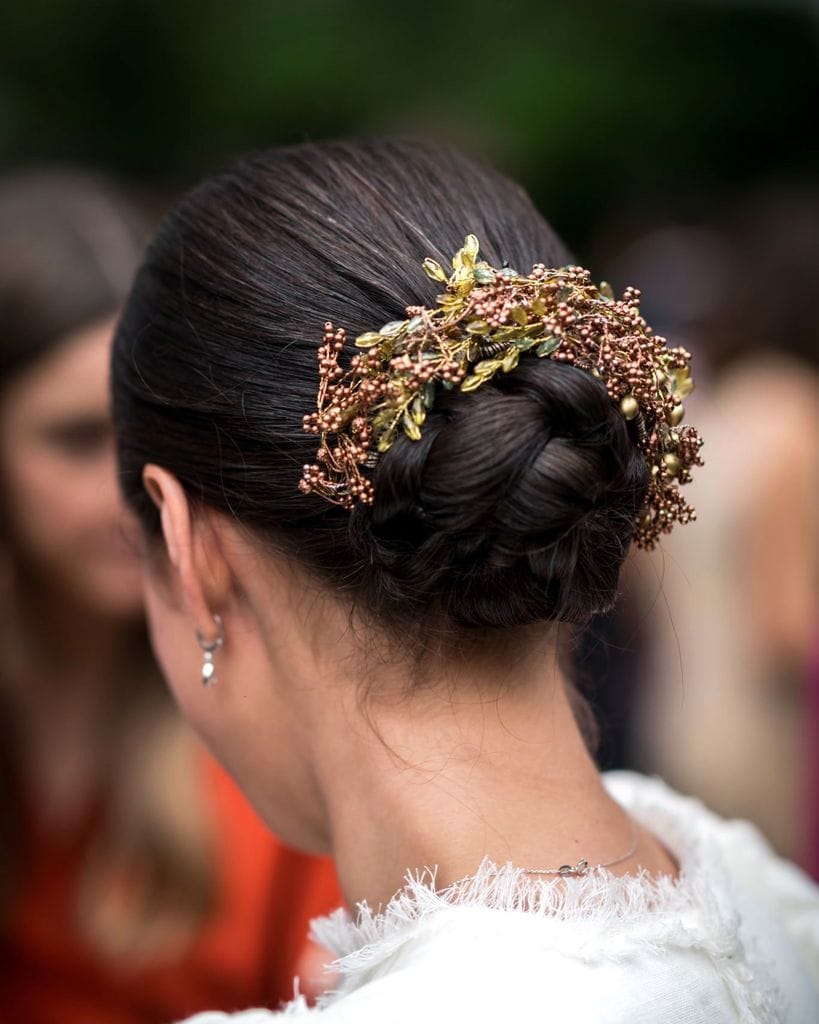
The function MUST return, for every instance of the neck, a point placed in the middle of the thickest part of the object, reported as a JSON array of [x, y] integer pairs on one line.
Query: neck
[[492, 764]]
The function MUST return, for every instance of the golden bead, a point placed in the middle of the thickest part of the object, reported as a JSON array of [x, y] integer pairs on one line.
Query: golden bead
[[675, 415], [671, 463], [629, 407]]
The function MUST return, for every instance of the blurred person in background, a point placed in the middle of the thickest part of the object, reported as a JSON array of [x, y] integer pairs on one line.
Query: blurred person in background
[[729, 708], [136, 884]]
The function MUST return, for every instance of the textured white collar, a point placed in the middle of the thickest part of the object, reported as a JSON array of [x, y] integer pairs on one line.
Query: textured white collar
[[620, 913]]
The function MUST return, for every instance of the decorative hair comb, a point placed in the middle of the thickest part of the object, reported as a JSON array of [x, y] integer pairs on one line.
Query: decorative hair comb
[[485, 321]]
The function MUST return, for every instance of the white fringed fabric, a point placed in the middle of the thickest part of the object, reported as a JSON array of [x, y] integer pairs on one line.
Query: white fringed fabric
[[734, 939]]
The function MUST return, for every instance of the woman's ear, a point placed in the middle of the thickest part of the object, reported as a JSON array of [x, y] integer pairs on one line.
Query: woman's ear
[[193, 550], [167, 494]]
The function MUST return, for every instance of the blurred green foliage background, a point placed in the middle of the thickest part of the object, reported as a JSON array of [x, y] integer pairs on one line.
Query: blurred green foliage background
[[594, 105]]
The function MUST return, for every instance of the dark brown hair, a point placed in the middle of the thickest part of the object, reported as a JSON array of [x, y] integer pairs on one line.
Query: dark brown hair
[[70, 244], [518, 503]]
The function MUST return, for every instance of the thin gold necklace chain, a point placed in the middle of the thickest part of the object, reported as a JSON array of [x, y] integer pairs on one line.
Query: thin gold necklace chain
[[582, 867]]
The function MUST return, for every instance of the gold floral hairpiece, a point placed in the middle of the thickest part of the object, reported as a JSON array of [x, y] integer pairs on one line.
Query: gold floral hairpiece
[[483, 323]]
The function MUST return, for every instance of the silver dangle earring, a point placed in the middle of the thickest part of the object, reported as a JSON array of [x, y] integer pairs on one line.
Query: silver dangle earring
[[209, 648]]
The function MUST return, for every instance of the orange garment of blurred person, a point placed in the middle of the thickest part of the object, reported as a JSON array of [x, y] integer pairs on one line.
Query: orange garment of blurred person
[[136, 884], [247, 952]]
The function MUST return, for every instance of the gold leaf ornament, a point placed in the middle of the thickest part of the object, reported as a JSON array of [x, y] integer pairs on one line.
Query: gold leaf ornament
[[434, 270], [368, 339], [488, 320], [411, 428], [683, 385], [418, 410], [519, 315], [546, 348]]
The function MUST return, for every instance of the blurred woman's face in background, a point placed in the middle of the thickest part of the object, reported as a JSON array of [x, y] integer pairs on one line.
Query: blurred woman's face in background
[[61, 513]]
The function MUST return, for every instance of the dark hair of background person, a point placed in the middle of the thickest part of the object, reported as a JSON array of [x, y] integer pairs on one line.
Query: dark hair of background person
[[770, 275], [517, 505], [69, 245]]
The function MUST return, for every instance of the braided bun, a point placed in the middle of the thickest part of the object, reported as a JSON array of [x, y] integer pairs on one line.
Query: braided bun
[[527, 488]]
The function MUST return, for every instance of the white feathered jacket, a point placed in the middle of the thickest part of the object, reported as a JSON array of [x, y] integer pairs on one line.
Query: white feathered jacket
[[734, 939]]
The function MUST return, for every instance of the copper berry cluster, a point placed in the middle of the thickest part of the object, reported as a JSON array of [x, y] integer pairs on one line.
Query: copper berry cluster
[[483, 323]]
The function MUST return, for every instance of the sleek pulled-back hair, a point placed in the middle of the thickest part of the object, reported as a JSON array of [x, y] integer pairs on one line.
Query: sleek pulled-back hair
[[518, 503]]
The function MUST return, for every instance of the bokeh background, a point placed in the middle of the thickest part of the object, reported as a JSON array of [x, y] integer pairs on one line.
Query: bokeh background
[[599, 107], [673, 144]]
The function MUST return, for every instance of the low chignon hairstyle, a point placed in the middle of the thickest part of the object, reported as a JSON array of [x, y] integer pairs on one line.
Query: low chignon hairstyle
[[518, 503]]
